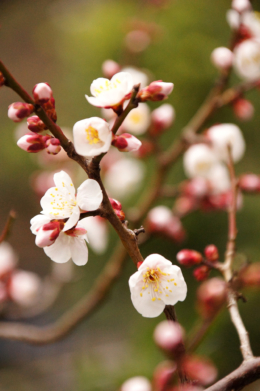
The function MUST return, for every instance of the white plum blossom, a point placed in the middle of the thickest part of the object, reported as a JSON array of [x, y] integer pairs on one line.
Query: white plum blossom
[[222, 58], [160, 216], [247, 59], [137, 383], [110, 93], [138, 120], [70, 245], [241, 5], [124, 176], [227, 134], [137, 75], [25, 287], [8, 258], [92, 136], [219, 179], [163, 116], [198, 160], [157, 283], [97, 233], [61, 201]]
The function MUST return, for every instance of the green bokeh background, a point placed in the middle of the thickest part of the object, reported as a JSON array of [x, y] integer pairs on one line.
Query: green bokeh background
[[64, 43]]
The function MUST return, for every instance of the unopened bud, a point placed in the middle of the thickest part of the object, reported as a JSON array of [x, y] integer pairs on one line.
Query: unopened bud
[[115, 204], [189, 257], [19, 110], [146, 149], [168, 336], [185, 205], [32, 143], [24, 288], [211, 295], [138, 383], [241, 5], [2, 79], [110, 68], [42, 92], [222, 58], [158, 218], [49, 107], [163, 375], [200, 369], [47, 234], [249, 183], [243, 109], [201, 273], [162, 118], [126, 142], [211, 253], [197, 187], [156, 91], [35, 124], [53, 146]]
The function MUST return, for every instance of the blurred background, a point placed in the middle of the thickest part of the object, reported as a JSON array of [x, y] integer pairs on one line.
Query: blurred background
[[65, 43]]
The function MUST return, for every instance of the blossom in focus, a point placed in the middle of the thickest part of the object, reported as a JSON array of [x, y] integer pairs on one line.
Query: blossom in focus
[[70, 245], [19, 110], [8, 258], [42, 92], [138, 76], [156, 91], [156, 283], [138, 120], [92, 136], [24, 288], [222, 58], [110, 93], [227, 134], [137, 383], [198, 160], [247, 59], [97, 233], [126, 143], [61, 202]]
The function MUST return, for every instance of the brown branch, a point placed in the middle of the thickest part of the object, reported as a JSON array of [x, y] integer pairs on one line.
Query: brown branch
[[67, 322], [8, 226], [248, 372]]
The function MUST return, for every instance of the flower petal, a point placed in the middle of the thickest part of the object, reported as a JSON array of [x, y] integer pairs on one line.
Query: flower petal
[[174, 286], [89, 195], [74, 218], [59, 251], [79, 251], [37, 222], [63, 180]]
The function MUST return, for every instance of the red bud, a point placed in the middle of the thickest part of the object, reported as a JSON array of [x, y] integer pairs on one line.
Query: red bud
[[189, 257], [211, 253]]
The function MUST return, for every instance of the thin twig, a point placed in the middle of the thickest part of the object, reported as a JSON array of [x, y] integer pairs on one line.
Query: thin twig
[[8, 225]]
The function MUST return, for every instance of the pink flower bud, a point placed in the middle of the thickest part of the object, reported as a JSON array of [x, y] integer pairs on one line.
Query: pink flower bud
[[48, 233], [184, 205], [53, 146], [156, 91], [200, 369], [222, 58], [115, 204], [197, 187], [31, 143], [163, 375], [250, 277], [19, 110], [211, 253], [243, 109], [189, 257], [126, 142], [110, 68], [168, 336], [24, 288], [211, 295], [35, 124], [42, 92], [241, 5], [2, 79], [249, 183], [201, 273], [162, 118]]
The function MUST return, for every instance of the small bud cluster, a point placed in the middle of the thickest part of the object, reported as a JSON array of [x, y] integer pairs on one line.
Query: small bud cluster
[[126, 143], [156, 91], [19, 110], [117, 209], [190, 258]]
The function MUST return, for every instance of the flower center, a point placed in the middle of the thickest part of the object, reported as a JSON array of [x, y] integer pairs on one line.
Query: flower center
[[92, 135], [157, 283], [202, 166], [62, 204], [107, 86]]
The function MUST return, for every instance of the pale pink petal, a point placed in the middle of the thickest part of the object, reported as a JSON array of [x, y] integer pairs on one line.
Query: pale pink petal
[[59, 251], [89, 195], [79, 252]]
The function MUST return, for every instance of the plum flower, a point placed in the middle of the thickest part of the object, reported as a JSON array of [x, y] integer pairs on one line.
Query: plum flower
[[92, 136], [156, 284], [110, 93], [70, 245], [61, 201]]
